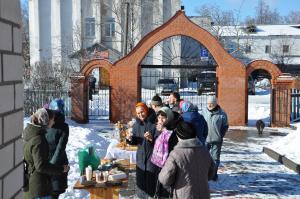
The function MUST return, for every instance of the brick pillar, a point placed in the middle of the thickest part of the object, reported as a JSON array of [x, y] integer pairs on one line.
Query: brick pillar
[[11, 100], [79, 99]]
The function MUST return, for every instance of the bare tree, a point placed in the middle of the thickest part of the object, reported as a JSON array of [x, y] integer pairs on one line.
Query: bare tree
[[137, 26], [264, 15], [219, 18], [293, 17], [25, 43], [282, 50]]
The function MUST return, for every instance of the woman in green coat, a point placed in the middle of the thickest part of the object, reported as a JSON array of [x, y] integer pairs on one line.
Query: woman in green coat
[[57, 138], [36, 152]]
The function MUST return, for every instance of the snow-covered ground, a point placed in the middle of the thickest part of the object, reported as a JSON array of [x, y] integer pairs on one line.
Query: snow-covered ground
[[245, 172]]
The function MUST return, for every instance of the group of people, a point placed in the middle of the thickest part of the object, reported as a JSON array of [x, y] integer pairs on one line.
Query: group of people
[[45, 159], [178, 148]]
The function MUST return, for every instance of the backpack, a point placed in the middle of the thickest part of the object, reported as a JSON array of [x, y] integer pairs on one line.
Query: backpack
[[161, 148]]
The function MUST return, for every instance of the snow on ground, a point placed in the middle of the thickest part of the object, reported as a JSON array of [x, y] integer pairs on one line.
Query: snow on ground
[[245, 171], [259, 107], [289, 145]]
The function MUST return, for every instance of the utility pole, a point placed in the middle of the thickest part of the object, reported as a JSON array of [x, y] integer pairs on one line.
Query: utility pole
[[126, 28]]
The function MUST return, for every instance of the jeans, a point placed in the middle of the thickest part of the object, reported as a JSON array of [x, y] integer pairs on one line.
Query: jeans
[[214, 149]]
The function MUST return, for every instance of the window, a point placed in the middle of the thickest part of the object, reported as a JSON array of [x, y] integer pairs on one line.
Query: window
[[90, 27], [268, 49], [285, 48], [109, 27], [248, 49]]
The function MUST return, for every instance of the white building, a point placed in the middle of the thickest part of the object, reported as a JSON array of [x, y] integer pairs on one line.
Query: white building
[[60, 29], [277, 43]]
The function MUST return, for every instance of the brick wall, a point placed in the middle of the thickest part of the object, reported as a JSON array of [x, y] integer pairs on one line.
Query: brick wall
[[11, 100]]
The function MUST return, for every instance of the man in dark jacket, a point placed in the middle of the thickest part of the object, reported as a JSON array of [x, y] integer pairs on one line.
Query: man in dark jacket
[[144, 135], [190, 114], [36, 152], [57, 138], [173, 101], [217, 124]]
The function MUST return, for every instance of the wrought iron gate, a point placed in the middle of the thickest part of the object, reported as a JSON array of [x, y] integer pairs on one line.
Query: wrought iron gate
[[99, 104], [295, 105], [280, 106], [184, 79]]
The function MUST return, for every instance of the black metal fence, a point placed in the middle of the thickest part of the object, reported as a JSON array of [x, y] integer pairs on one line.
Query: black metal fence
[[295, 105], [35, 99], [99, 104], [186, 80]]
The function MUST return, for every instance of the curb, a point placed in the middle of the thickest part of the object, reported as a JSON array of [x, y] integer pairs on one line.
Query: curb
[[282, 159]]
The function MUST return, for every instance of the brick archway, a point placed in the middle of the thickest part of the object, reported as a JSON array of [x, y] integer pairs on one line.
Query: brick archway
[[125, 73], [268, 66], [96, 63]]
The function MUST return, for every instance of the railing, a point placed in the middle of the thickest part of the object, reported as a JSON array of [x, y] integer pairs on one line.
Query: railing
[[35, 99], [187, 83], [295, 105]]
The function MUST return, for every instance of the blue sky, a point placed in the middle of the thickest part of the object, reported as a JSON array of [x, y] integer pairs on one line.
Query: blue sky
[[247, 6]]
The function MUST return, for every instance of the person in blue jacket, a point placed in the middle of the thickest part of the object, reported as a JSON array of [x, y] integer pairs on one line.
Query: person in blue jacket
[[191, 115]]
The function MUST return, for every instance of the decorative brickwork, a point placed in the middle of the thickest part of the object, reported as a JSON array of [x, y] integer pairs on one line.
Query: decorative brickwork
[[125, 73]]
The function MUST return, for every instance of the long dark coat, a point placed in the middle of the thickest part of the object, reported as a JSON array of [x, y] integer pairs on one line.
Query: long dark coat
[[57, 138], [36, 152], [146, 173]]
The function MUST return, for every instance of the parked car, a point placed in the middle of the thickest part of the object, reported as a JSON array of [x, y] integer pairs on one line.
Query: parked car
[[251, 85], [166, 86], [206, 82]]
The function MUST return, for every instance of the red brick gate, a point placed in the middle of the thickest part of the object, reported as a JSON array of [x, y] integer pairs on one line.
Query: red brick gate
[[125, 74]]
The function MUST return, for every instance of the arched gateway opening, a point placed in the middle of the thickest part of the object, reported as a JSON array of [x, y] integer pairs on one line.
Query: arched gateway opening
[[261, 75], [181, 64], [125, 74]]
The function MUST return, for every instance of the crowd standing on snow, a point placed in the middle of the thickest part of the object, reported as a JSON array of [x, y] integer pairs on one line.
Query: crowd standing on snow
[[178, 148]]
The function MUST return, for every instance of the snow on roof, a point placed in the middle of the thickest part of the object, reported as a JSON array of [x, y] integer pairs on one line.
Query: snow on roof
[[261, 30]]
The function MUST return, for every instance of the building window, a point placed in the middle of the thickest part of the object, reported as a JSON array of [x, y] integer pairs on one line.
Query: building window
[[109, 27], [248, 49], [268, 49], [285, 48], [90, 27]]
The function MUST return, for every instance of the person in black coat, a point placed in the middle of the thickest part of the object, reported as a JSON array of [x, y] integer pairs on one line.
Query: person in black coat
[[57, 138], [144, 135]]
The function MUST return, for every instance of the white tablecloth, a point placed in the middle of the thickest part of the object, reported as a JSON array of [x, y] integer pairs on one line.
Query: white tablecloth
[[114, 152]]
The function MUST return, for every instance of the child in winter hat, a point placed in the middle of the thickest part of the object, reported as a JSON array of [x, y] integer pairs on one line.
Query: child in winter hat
[[161, 146]]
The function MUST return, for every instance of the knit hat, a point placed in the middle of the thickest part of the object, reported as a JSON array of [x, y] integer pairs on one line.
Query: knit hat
[[185, 130], [57, 105], [168, 112], [186, 105], [143, 105], [212, 99], [41, 117], [156, 100]]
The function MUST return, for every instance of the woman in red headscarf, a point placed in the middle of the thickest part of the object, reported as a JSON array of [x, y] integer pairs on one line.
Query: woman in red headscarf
[[144, 135]]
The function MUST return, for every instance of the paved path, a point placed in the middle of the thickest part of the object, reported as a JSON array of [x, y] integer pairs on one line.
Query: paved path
[[247, 172]]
